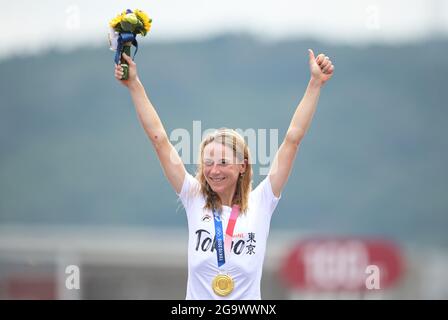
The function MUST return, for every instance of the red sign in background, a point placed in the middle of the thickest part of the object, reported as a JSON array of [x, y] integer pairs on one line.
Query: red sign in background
[[341, 264]]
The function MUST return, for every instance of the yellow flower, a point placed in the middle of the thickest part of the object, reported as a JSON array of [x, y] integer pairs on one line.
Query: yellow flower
[[115, 21], [143, 17], [141, 23]]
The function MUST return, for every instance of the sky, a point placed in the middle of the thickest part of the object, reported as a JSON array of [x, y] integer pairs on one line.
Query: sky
[[37, 25]]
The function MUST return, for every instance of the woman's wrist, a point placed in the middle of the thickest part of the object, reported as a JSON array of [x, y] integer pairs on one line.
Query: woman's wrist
[[134, 84], [315, 82]]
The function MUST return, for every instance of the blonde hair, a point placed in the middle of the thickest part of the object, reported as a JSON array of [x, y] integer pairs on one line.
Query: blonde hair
[[233, 140]]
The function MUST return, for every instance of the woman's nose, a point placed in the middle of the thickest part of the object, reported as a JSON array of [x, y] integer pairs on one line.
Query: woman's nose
[[215, 169]]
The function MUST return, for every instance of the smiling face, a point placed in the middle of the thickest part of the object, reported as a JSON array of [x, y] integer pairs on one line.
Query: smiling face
[[221, 169], [224, 170]]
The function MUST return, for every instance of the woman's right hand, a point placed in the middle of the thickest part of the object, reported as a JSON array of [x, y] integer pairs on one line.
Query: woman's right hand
[[132, 72]]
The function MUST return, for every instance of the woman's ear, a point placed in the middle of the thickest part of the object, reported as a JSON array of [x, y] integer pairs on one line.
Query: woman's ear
[[243, 167]]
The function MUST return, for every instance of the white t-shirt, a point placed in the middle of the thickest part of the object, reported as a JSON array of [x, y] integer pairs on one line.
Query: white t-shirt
[[248, 246]]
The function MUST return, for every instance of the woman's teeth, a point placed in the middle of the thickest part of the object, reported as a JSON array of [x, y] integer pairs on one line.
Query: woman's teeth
[[216, 179]]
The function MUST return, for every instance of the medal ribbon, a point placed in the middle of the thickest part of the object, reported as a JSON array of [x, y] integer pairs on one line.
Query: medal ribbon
[[222, 246]]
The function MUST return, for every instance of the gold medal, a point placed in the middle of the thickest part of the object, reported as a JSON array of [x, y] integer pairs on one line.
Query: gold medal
[[222, 285]]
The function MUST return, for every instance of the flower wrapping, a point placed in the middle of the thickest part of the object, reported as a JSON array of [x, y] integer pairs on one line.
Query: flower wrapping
[[124, 29]]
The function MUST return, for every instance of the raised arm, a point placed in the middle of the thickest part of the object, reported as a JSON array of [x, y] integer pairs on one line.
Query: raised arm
[[321, 70], [171, 163]]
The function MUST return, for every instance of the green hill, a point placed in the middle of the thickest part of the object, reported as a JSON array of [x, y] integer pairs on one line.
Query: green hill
[[373, 162]]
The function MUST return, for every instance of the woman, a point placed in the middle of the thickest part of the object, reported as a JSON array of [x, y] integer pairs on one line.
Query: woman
[[228, 222]]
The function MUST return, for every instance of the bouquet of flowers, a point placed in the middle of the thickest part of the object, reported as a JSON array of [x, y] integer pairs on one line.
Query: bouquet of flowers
[[124, 29]]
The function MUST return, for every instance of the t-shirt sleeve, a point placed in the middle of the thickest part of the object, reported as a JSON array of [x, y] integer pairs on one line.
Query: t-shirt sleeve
[[265, 197], [190, 187]]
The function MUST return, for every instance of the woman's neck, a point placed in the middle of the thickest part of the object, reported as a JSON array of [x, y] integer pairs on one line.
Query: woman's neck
[[227, 197]]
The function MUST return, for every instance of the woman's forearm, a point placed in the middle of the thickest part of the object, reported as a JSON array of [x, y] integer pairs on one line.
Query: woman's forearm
[[303, 115], [147, 114]]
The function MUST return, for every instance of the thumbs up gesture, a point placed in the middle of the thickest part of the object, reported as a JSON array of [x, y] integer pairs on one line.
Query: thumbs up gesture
[[321, 67]]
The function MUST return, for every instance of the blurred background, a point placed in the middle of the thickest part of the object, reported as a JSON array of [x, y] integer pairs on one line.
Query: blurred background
[[81, 186]]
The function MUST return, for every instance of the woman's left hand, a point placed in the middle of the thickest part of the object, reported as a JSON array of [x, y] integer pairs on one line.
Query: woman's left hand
[[321, 67]]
